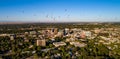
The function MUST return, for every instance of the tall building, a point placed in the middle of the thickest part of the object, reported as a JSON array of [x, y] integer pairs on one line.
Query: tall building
[[66, 31], [55, 30], [82, 34], [12, 37], [88, 33], [41, 42]]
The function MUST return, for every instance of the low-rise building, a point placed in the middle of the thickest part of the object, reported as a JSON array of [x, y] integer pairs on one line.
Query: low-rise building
[[41, 42], [78, 44], [70, 39], [33, 32], [56, 44]]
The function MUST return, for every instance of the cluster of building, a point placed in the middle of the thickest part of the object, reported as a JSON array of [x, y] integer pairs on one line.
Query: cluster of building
[[76, 37], [108, 36]]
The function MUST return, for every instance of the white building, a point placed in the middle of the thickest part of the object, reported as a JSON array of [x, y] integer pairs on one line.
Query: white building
[[11, 37], [78, 44], [56, 44], [70, 39], [33, 32], [88, 33]]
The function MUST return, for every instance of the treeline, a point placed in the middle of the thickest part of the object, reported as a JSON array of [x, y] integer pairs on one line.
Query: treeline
[[16, 28]]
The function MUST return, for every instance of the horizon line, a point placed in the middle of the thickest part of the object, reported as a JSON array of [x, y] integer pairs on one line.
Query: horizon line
[[15, 22]]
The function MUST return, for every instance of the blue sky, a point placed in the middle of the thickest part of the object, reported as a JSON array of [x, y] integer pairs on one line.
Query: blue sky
[[60, 10]]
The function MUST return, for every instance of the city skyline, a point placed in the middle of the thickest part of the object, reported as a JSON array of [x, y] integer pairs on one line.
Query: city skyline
[[59, 11]]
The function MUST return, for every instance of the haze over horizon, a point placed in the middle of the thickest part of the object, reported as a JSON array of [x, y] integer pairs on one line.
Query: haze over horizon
[[59, 10]]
